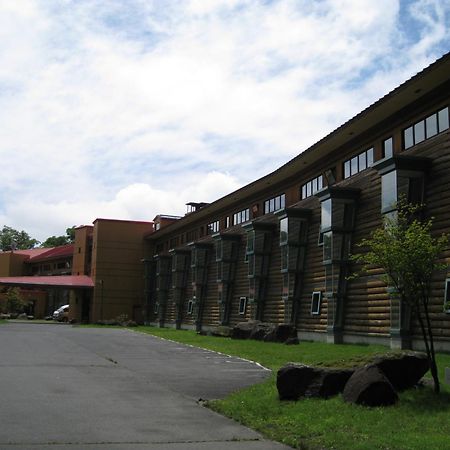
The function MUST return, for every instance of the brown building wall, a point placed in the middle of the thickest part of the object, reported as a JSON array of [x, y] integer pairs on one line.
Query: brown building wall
[[117, 269], [366, 303], [82, 252]]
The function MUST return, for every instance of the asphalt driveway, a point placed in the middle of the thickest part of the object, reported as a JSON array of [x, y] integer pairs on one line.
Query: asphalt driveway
[[63, 387]]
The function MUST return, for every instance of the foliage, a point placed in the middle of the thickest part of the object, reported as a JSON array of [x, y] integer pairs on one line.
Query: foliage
[[408, 253], [317, 423], [11, 239], [14, 301], [55, 241]]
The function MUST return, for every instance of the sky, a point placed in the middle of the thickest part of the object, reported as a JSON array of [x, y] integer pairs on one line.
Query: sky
[[129, 109]]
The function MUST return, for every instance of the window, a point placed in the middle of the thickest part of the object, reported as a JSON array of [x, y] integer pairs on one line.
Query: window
[[358, 163], [241, 216], [284, 222], [447, 296], [190, 307], [426, 128], [191, 236], [326, 214], [389, 191], [275, 203], [312, 186], [242, 305], [315, 303], [213, 227], [388, 148]]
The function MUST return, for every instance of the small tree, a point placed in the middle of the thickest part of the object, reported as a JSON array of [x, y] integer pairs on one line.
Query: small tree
[[407, 252], [14, 301]]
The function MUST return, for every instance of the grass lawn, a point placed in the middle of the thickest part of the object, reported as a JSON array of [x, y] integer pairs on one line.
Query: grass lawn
[[421, 420]]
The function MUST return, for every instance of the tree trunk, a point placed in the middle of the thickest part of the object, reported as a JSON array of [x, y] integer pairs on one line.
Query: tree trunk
[[431, 353]]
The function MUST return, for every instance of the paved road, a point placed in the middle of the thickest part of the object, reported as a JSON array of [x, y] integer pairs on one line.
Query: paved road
[[69, 388]]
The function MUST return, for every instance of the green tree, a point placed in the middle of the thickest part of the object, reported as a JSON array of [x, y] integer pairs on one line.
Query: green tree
[[408, 253], [14, 301], [11, 239], [55, 241]]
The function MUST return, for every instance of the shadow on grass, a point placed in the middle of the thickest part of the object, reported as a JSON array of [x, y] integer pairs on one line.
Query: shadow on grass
[[424, 400]]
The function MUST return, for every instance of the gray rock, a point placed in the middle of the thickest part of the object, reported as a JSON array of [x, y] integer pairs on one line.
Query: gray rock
[[404, 370], [370, 387], [299, 380]]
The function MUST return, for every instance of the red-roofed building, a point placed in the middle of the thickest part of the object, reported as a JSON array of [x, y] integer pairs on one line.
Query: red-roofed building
[[100, 275]]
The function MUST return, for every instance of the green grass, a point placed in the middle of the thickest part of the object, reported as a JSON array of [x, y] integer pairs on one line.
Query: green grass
[[3, 321], [420, 420]]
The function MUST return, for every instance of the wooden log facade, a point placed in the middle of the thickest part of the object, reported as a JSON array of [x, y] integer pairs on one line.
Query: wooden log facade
[[278, 249]]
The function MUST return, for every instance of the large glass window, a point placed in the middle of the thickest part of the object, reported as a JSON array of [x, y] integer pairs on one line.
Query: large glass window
[[326, 214], [284, 230], [389, 191]]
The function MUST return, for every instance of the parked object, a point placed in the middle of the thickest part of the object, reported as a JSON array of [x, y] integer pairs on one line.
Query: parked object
[[61, 314]]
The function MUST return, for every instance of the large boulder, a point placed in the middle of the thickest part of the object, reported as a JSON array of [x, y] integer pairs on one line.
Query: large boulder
[[242, 330], [370, 387], [263, 331], [300, 380], [281, 333], [404, 370]]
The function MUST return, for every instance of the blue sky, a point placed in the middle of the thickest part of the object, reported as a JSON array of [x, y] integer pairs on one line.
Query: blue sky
[[130, 109]]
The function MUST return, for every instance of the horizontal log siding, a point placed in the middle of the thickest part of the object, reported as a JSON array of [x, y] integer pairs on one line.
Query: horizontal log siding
[[437, 201], [367, 305], [241, 286], [211, 308], [187, 318], [274, 305], [170, 308], [314, 274]]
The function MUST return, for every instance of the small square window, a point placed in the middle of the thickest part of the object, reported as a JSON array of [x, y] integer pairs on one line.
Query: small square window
[[242, 305], [315, 303]]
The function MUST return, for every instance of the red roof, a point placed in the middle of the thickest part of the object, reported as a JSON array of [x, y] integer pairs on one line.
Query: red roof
[[52, 253], [68, 281], [40, 254]]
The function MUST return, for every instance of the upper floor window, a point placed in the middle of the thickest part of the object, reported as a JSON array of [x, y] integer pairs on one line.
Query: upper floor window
[[388, 147], [312, 186], [213, 227], [275, 203], [358, 163], [426, 128], [241, 216]]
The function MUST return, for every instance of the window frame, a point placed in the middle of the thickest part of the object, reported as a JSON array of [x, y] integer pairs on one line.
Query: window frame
[[316, 311], [242, 306]]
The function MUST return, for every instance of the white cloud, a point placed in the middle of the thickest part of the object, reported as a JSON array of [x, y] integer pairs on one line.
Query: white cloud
[[118, 109]]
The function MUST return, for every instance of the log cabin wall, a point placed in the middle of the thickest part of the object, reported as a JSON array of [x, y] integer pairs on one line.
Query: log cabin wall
[[366, 304]]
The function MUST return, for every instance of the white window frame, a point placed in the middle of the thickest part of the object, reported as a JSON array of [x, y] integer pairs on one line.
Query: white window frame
[[242, 305], [316, 311]]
